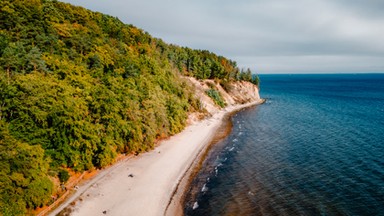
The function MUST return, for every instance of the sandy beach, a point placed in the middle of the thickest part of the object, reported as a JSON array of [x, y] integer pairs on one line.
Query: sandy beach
[[145, 184]]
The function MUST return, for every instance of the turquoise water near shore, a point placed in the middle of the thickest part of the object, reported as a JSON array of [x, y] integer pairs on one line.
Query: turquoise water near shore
[[316, 147]]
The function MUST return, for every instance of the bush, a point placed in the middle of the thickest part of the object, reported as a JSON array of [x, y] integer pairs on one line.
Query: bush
[[255, 80], [215, 95], [63, 175]]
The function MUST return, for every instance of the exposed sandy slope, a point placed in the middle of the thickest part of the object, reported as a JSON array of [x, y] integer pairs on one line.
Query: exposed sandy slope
[[238, 93], [144, 185]]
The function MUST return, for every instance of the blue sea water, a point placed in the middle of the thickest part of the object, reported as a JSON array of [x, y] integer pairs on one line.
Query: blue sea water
[[316, 147]]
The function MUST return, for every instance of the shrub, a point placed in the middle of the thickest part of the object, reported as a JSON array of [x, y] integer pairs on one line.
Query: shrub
[[215, 95], [255, 80], [63, 175]]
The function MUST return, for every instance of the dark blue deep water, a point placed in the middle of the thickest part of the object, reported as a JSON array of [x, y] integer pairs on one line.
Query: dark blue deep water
[[316, 147]]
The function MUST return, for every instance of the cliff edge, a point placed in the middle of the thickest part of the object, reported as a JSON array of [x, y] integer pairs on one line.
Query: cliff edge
[[231, 93]]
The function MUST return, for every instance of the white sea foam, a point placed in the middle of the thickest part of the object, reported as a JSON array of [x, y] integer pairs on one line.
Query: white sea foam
[[195, 205], [205, 188]]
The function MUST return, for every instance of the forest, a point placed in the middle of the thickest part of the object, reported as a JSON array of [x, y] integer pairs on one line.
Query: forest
[[78, 88]]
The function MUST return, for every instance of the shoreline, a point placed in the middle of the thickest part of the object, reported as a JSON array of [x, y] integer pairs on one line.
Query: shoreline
[[177, 201], [152, 183]]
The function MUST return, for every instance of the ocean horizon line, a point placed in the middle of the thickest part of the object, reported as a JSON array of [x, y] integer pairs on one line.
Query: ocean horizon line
[[323, 73]]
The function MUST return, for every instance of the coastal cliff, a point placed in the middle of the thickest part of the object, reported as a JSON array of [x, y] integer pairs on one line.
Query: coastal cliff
[[230, 94], [79, 89]]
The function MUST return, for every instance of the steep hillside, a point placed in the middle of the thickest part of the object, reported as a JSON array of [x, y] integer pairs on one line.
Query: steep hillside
[[77, 88], [229, 93]]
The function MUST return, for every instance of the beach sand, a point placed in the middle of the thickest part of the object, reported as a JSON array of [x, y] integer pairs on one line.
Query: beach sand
[[145, 184]]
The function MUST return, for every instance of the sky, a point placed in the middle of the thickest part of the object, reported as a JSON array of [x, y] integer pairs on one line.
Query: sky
[[267, 36]]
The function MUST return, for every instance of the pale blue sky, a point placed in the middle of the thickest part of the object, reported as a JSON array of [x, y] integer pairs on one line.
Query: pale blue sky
[[268, 36]]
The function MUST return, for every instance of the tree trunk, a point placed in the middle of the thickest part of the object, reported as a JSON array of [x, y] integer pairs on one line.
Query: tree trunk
[[8, 74]]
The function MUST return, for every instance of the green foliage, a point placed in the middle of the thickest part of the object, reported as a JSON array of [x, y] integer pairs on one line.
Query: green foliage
[[203, 64], [63, 175], [245, 75], [215, 95], [255, 80], [79, 87], [23, 175]]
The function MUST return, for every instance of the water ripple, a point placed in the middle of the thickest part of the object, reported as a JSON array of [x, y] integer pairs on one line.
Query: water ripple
[[304, 152]]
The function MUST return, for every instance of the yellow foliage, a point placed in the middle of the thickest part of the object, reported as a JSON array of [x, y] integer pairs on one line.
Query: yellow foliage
[[106, 54], [63, 29]]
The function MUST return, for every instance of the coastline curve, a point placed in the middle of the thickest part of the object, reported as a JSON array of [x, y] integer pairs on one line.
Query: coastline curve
[[176, 203]]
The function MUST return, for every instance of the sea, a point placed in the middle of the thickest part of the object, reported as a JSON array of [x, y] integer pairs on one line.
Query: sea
[[316, 147]]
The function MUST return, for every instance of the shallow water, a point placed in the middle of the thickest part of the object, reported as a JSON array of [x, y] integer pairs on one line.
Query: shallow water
[[314, 148]]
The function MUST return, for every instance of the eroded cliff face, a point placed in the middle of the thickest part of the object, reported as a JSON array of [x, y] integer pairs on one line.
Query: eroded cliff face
[[243, 92], [232, 93]]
